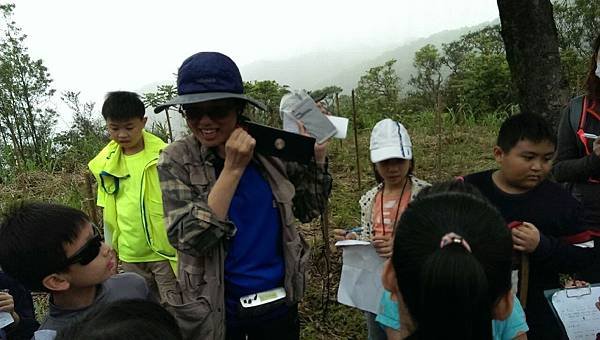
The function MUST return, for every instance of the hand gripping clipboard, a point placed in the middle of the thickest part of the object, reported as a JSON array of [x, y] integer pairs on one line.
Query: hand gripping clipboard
[[575, 310], [280, 143]]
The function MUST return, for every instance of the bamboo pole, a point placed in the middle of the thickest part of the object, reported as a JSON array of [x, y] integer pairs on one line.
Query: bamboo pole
[[327, 257], [337, 110], [438, 116], [356, 140]]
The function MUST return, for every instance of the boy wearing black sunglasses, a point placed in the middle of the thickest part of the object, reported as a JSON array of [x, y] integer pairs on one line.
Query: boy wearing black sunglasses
[[55, 249]]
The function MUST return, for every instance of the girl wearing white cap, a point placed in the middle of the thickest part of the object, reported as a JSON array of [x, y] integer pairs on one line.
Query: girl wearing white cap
[[382, 205]]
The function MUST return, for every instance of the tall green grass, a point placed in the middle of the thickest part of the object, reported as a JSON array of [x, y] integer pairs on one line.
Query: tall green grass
[[463, 145]]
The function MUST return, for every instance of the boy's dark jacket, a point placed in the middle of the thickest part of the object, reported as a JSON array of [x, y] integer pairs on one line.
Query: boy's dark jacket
[[557, 215]]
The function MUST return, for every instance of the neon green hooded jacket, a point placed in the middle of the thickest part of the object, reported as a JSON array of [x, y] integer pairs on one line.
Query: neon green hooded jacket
[[108, 167]]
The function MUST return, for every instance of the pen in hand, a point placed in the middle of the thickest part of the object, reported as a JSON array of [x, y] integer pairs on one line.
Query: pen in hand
[[357, 230], [346, 234]]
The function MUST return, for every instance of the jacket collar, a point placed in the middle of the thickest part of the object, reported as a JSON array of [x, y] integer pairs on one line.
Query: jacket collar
[[110, 159]]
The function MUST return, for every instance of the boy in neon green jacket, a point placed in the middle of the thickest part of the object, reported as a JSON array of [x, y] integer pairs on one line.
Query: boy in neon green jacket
[[129, 193]]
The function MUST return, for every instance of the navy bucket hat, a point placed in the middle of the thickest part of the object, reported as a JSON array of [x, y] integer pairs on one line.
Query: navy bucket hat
[[208, 76]]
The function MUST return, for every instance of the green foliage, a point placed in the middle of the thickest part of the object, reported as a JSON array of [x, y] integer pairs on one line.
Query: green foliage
[[163, 94], [470, 74], [269, 92], [378, 92], [427, 81], [578, 24], [160, 130], [484, 85], [85, 138], [25, 124], [329, 93], [479, 79]]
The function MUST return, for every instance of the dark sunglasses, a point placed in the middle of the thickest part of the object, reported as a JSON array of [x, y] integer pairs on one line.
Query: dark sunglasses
[[215, 112], [88, 252]]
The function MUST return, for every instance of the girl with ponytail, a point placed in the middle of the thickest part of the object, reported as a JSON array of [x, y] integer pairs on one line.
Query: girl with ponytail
[[451, 266]]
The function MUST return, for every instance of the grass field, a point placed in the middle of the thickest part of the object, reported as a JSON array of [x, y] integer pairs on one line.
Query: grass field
[[463, 146]]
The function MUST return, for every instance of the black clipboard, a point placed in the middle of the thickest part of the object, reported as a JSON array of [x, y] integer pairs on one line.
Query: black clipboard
[[548, 295], [280, 143]]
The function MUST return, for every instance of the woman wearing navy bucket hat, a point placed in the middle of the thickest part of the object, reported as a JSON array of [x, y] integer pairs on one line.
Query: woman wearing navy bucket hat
[[231, 212]]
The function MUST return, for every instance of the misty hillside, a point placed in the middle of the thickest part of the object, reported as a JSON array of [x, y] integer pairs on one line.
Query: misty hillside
[[323, 68], [345, 67]]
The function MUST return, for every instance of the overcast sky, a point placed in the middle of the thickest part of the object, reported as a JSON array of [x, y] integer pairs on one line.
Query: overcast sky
[[100, 46]]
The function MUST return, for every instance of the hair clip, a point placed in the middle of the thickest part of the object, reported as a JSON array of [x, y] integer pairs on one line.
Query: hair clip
[[454, 238]]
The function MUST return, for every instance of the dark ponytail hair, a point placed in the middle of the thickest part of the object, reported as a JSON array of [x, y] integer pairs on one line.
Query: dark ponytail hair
[[450, 292]]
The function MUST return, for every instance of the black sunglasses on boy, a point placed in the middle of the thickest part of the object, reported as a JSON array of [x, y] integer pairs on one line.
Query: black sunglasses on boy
[[88, 252]]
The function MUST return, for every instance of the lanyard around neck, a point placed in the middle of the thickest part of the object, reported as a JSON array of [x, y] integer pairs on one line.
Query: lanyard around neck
[[397, 205]]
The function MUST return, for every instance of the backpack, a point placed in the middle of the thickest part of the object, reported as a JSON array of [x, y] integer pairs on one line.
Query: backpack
[[579, 111], [575, 112]]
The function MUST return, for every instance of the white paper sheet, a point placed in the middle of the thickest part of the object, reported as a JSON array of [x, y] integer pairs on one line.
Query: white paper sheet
[[360, 284], [5, 319], [352, 243], [588, 244], [341, 125], [578, 314]]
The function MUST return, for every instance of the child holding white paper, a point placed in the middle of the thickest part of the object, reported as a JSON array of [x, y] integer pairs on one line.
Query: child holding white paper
[[382, 205]]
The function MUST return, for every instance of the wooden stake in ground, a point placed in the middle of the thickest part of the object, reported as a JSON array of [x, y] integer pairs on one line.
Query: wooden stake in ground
[[337, 111], [326, 256], [169, 125], [438, 118], [90, 199], [356, 141]]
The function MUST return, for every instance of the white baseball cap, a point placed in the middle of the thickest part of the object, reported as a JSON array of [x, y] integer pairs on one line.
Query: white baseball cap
[[389, 139]]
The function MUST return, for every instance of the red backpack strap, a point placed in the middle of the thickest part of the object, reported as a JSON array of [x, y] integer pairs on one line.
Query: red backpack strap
[[591, 109], [586, 108], [580, 118], [583, 113]]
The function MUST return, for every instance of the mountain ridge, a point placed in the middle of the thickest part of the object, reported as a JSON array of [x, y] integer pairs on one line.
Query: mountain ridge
[[314, 70]]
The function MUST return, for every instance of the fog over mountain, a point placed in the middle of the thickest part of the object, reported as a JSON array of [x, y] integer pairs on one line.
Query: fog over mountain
[[344, 67], [340, 66]]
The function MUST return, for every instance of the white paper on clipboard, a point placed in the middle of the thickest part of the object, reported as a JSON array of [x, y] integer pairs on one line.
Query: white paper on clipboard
[[578, 314], [360, 283]]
